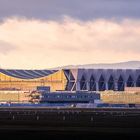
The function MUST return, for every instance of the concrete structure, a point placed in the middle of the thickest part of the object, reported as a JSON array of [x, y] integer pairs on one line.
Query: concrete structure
[[30, 79], [102, 79], [14, 96], [70, 79]]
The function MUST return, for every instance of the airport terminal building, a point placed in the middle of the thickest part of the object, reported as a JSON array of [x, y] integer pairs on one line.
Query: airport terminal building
[[102, 79], [28, 80], [70, 79]]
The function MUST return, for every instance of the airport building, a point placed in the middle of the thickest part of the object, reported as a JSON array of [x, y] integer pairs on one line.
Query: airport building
[[70, 79], [26, 80], [102, 79]]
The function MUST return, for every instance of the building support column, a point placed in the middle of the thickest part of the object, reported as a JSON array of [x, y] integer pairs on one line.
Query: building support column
[[78, 85], [97, 86], [135, 84], [87, 86], [106, 86], [116, 85], [125, 84]]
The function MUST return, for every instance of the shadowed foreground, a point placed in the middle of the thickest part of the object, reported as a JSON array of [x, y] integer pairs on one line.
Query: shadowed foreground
[[72, 123]]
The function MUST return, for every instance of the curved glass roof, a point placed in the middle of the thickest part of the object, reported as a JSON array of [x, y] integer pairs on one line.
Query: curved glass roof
[[27, 74]]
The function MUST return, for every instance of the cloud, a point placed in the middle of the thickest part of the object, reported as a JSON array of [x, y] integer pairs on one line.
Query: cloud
[[81, 9], [6, 47], [48, 43]]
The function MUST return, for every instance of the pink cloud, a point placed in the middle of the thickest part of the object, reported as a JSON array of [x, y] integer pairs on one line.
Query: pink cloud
[[42, 44]]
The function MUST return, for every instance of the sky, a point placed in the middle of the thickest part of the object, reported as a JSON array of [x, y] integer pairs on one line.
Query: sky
[[41, 34]]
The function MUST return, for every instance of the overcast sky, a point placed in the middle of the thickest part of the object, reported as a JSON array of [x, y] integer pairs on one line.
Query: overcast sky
[[38, 34]]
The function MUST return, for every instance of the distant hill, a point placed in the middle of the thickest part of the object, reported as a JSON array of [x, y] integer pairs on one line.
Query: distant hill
[[121, 65]]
